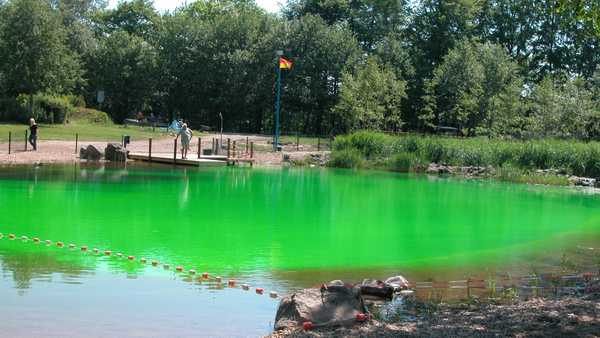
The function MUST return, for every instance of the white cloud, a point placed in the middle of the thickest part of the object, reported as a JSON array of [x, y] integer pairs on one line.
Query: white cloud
[[164, 5]]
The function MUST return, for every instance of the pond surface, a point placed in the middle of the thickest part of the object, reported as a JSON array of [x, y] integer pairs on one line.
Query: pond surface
[[278, 229]]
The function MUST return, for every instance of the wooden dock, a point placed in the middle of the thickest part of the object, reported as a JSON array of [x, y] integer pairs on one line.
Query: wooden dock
[[191, 160]]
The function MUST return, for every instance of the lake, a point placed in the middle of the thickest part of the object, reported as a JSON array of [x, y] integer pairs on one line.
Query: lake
[[279, 229]]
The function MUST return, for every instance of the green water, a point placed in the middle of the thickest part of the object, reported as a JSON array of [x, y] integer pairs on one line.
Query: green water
[[278, 228]]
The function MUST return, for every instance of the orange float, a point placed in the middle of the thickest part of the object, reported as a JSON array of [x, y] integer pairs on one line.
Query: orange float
[[11, 236], [231, 283], [361, 317], [107, 252], [131, 258], [307, 326], [60, 244], [179, 268], [205, 275], [260, 291]]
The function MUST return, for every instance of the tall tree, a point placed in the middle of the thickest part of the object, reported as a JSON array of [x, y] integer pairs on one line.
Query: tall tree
[[34, 50]]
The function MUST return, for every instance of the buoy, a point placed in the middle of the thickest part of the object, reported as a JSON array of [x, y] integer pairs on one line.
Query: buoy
[[192, 272], [84, 248], [166, 266], [273, 294], [48, 242], [130, 258], [361, 317], [96, 250], [36, 240], [154, 263], [218, 279], [246, 287], [205, 275], [179, 268], [260, 291], [60, 244], [71, 246], [307, 326], [24, 238], [231, 283], [119, 254], [107, 252], [143, 260], [11, 236]]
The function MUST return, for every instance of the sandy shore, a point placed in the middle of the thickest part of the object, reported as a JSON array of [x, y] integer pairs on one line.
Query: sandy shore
[[65, 152]]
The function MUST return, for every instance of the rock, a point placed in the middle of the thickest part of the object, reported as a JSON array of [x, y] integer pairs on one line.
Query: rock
[[92, 153], [435, 168], [116, 153], [82, 153], [329, 307], [376, 288], [582, 181], [397, 282]]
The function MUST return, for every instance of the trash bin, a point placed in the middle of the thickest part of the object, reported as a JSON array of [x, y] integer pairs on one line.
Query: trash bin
[[126, 140]]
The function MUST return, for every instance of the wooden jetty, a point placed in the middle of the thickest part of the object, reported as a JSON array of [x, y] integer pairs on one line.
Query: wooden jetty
[[233, 157]]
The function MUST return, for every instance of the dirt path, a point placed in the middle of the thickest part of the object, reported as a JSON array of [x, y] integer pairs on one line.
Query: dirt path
[[65, 151]]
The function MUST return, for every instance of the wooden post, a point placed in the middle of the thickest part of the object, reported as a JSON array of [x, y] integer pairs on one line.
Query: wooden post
[[228, 148], [318, 143], [9, 141], [199, 147], [123, 141], [150, 149], [252, 150], [26, 139], [247, 150], [175, 151], [76, 142], [297, 141], [234, 150]]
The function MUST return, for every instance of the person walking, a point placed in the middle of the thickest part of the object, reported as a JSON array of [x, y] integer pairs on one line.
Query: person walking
[[33, 133], [186, 137]]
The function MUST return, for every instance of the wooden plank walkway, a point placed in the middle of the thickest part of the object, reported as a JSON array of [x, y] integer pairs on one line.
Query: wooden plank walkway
[[191, 160]]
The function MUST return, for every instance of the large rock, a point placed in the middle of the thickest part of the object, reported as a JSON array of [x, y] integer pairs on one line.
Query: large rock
[[92, 153], [377, 288], [82, 153], [114, 152], [334, 305]]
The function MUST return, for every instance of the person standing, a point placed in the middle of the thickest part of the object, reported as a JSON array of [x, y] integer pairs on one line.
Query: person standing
[[33, 133], [186, 137]]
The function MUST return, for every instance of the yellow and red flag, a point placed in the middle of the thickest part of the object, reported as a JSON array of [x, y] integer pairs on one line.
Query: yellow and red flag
[[285, 63]]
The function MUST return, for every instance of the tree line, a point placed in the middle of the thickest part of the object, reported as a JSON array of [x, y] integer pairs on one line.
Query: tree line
[[517, 68]]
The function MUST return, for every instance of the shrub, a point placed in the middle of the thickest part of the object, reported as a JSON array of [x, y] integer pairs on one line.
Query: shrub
[[370, 144], [90, 115], [404, 162], [346, 158], [46, 108]]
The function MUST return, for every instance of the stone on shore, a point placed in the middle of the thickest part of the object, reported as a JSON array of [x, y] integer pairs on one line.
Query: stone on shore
[[114, 152], [337, 305], [91, 153]]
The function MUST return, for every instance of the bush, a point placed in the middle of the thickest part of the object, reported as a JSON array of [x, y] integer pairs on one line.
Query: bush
[[404, 162], [46, 108], [90, 116], [369, 144], [346, 158]]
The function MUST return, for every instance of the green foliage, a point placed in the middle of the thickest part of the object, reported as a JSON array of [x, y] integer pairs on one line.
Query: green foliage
[[346, 158], [45, 108], [404, 162], [370, 99], [573, 157], [33, 50], [90, 116]]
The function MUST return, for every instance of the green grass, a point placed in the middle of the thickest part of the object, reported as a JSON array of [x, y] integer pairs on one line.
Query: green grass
[[87, 132], [305, 140], [403, 152]]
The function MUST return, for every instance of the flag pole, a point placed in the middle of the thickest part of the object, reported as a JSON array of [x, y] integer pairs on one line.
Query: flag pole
[[277, 102]]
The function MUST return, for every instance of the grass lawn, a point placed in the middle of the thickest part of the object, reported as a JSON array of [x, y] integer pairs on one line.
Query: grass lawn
[[86, 131]]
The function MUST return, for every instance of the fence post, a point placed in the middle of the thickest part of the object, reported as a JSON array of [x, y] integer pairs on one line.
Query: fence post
[[26, 139], [228, 148], [318, 143], [199, 147], [150, 149], [234, 149], [247, 150], [76, 142], [297, 141], [252, 150], [175, 151], [9, 141]]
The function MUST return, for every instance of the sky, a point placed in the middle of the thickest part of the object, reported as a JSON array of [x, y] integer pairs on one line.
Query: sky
[[162, 5]]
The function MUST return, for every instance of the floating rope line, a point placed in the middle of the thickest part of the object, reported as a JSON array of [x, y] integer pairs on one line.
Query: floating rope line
[[179, 268]]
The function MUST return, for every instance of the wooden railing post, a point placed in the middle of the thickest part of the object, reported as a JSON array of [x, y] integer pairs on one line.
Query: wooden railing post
[[234, 150], [26, 139], [150, 149], [247, 150], [76, 143], [228, 148], [199, 147], [9, 141], [252, 150], [297, 141], [175, 151]]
